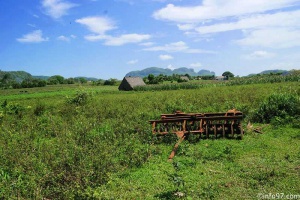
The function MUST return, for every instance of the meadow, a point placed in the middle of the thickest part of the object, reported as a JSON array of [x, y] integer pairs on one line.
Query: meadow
[[95, 142]]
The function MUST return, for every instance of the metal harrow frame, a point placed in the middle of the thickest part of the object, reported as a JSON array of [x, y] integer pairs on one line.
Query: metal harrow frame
[[226, 124]]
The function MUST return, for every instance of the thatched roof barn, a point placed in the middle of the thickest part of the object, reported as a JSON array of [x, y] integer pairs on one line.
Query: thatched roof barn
[[128, 83]]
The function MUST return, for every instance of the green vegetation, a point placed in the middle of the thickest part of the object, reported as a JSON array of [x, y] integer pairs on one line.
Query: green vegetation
[[267, 78], [94, 142], [21, 79]]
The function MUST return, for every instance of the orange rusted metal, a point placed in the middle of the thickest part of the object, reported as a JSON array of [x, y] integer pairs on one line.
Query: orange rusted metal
[[182, 124]]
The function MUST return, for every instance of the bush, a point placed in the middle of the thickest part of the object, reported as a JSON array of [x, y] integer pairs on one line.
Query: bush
[[39, 109], [80, 98], [278, 107]]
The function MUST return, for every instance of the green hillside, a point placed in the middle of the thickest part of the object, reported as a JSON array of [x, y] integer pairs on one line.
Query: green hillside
[[17, 76]]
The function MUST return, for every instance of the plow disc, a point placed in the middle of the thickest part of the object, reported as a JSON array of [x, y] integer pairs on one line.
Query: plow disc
[[207, 125]]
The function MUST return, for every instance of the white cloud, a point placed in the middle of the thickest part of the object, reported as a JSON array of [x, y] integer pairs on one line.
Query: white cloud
[[186, 27], [97, 24], [32, 25], [277, 30], [196, 65], [63, 38], [94, 37], [218, 9], [132, 62], [259, 55], [166, 57], [172, 47], [147, 44], [120, 40], [125, 39], [261, 21], [176, 47], [273, 37], [171, 67], [33, 37], [100, 25], [57, 8]]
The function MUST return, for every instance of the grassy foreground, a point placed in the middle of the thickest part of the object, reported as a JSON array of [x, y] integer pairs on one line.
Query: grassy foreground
[[96, 143]]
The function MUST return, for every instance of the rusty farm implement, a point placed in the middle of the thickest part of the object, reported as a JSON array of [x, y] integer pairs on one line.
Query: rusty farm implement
[[206, 125]]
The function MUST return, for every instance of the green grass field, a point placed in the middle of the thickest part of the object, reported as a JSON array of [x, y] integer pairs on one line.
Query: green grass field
[[95, 142]]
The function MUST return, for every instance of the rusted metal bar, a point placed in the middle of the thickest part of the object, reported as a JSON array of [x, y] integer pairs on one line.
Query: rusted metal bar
[[171, 156]]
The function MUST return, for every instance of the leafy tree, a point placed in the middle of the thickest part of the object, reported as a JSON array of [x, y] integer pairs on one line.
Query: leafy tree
[[228, 74], [110, 81], [145, 79], [151, 78], [154, 80], [82, 80], [69, 81], [41, 83], [57, 79], [189, 76], [16, 85], [98, 82], [31, 82]]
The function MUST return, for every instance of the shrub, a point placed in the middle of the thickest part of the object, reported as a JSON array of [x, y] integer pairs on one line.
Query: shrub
[[277, 106], [80, 98], [39, 109]]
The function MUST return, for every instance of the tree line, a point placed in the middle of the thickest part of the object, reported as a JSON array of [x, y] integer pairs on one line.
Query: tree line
[[7, 80], [151, 79]]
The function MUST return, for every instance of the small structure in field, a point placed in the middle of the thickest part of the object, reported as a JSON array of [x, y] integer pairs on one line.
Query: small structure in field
[[184, 78], [128, 83], [221, 78]]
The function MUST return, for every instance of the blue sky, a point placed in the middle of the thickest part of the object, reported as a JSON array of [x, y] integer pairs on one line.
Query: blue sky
[[108, 38]]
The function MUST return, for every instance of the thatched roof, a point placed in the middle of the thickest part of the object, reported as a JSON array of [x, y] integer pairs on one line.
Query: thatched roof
[[128, 83]]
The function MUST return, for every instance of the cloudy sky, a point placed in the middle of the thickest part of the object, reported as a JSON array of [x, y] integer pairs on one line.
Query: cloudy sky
[[108, 38]]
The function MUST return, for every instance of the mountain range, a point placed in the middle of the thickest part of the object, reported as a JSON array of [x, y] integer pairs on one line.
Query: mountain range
[[183, 70]]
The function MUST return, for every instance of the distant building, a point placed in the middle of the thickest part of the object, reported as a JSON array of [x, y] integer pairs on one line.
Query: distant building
[[184, 78], [128, 83], [221, 78]]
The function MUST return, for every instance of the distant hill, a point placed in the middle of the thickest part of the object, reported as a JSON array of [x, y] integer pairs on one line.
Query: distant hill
[[78, 77], [204, 72], [17, 76], [87, 78], [156, 71], [274, 71], [41, 77]]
